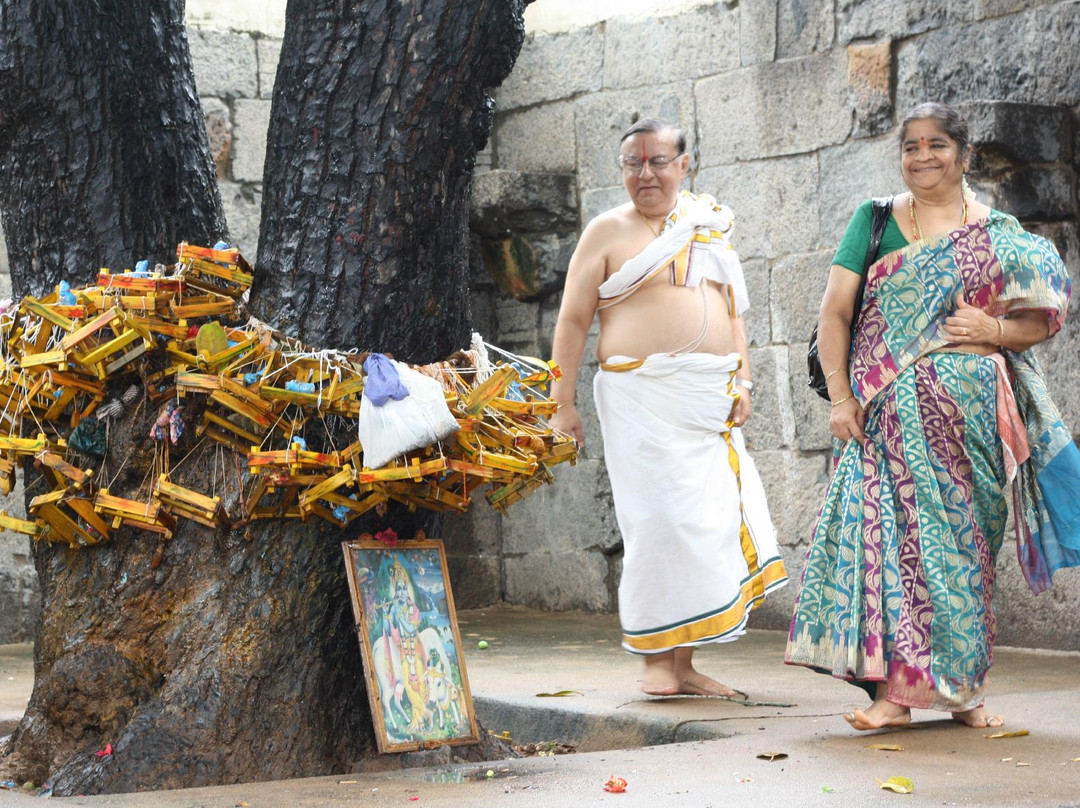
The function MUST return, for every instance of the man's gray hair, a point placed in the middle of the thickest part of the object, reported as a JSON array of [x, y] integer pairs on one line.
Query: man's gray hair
[[657, 126]]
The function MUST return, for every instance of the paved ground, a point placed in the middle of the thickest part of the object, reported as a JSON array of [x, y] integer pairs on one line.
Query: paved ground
[[715, 760]]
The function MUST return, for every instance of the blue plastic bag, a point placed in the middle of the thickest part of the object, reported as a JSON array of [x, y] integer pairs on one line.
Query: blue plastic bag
[[383, 381]]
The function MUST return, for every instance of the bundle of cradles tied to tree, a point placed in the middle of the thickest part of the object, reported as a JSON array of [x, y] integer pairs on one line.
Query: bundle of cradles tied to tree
[[77, 358]]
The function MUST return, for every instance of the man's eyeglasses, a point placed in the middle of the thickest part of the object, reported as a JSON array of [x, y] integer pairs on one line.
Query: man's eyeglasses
[[633, 165]]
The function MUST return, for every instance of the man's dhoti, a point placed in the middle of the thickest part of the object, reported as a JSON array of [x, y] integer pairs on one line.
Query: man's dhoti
[[699, 548]]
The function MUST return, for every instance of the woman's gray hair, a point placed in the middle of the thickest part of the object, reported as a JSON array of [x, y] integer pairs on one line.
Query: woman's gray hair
[[949, 121]]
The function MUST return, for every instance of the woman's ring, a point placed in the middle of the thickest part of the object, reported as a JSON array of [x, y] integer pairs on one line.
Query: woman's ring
[[963, 332]]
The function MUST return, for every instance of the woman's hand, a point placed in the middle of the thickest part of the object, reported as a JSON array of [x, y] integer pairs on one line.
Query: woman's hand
[[847, 419], [741, 411], [970, 325]]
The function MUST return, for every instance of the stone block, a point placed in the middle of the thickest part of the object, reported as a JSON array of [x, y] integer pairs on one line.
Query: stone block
[[870, 78], [851, 174], [698, 42], [225, 63], [1036, 192], [770, 425], [558, 581], [758, 321], [601, 119], [515, 322], [10, 611], [775, 204], [268, 52], [596, 201], [757, 33], [249, 150], [573, 515], [553, 67], [477, 532], [811, 412], [1027, 65], [1020, 134], [539, 138], [476, 581], [750, 113], [508, 202], [803, 27], [482, 309], [798, 283], [1048, 621], [219, 132], [243, 210], [529, 269], [795, 486], [874, 19]]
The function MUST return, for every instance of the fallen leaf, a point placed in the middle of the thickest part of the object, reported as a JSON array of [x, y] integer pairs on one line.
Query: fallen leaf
[[1023, 764], [772, 756], [900, 785], [828, 789], [746, 780], [345, 782], [885, 747], [560, 693], [1016, 733], [616, 785], [1005, 760]]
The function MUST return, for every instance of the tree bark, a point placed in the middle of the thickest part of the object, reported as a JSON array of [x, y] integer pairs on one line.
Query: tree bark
[[364, 235], [213, 659], [103, 149]]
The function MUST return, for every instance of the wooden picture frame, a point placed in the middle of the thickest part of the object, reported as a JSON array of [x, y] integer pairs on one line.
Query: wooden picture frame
[[407, 628]]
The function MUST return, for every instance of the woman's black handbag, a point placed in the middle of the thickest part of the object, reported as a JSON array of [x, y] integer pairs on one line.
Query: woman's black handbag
[[815, 375]]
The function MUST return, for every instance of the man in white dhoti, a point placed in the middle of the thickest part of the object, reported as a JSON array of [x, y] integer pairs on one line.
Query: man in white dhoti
[[672, 392]]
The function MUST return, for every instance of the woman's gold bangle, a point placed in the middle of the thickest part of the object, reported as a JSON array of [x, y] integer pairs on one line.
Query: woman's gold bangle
[[830, 374], [1001, 334], [841, 401]]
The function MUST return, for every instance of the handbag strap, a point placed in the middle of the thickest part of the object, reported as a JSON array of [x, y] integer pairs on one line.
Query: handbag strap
[[880, 212]]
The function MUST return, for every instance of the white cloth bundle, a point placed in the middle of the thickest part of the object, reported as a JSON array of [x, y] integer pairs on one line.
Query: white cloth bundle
[[420, 419]]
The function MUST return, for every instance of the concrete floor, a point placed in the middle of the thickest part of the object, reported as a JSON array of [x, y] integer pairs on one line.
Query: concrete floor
[[717, 759]]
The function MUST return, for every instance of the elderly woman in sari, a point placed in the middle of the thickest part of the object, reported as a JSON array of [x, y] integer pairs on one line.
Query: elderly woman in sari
[[937, 406]]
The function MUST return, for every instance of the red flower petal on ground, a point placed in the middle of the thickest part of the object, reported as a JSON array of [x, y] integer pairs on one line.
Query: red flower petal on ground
[[616, 785], [106, 751]]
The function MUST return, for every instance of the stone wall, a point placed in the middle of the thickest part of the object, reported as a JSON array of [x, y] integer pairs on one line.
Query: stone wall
[[791, 110]]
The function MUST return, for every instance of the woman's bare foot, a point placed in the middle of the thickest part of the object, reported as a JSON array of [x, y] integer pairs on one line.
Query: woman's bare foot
[[882, 713], [660, 679], [979, 717]]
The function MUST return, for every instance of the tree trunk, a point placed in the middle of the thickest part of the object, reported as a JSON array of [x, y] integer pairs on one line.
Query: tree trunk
[[213, 659], [103, 149], [364, 235]]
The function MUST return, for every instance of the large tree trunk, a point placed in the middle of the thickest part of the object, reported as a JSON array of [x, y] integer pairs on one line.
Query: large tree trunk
[[368, 170], [223, 660], [103, 149]]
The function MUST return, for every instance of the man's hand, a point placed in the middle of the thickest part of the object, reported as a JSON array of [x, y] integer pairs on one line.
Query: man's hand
[[568, 420], [741, 411]]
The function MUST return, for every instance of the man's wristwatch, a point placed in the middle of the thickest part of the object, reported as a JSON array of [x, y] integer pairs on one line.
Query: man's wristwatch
[[749, 385]]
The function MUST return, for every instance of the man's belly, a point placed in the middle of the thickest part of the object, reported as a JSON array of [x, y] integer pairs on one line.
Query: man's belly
[[664, 319]]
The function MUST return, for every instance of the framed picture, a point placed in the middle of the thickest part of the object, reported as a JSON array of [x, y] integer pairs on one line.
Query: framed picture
[[409, 639]]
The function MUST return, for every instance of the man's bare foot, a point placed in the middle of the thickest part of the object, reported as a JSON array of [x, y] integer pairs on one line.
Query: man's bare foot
[[660, 679], [698, 684], [882, 713], [979, 717]]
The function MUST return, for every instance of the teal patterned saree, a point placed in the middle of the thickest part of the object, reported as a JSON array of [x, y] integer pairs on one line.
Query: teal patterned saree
[[899, 578]]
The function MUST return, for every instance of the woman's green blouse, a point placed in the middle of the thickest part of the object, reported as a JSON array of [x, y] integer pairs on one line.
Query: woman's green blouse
[[852, 250]]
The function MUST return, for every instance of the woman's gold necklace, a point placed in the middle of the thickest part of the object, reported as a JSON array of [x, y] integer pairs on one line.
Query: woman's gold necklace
[[915, 218]]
